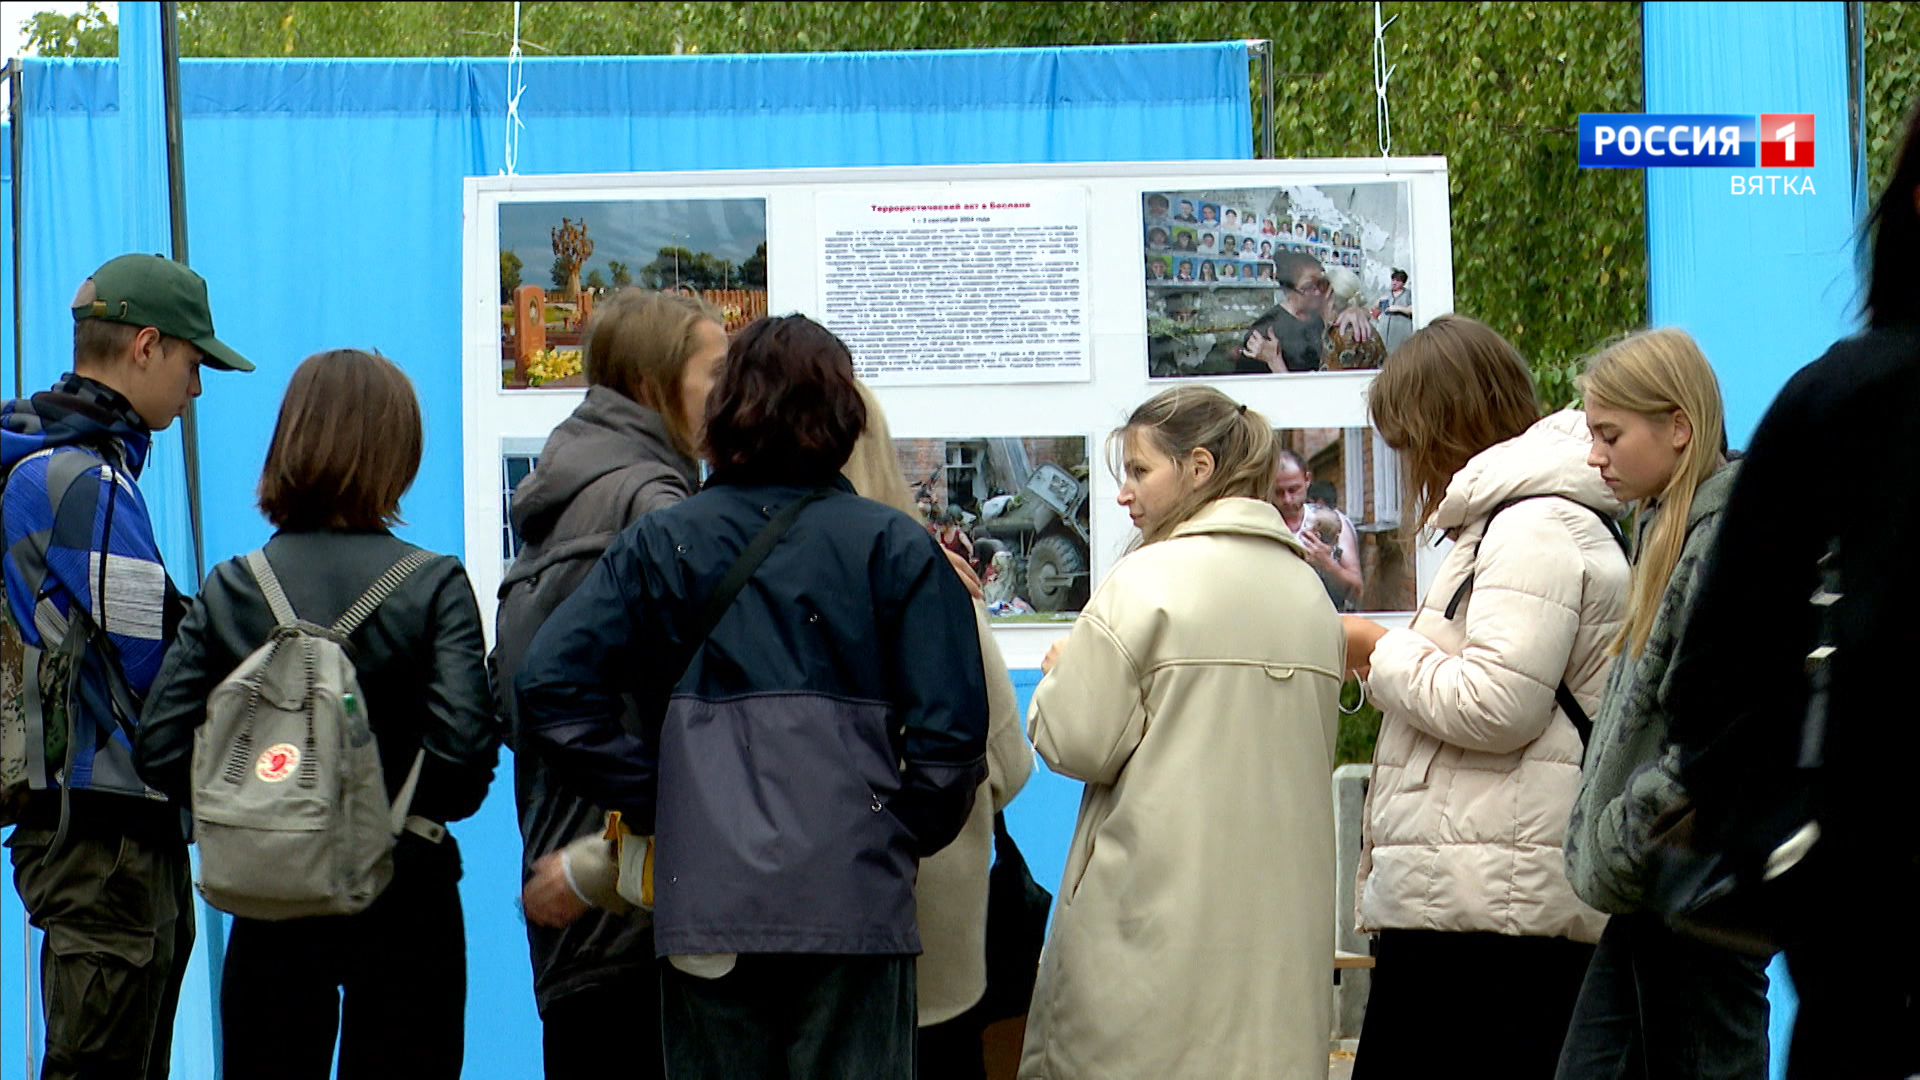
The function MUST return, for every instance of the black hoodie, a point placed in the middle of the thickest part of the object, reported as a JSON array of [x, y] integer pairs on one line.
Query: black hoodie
[[602, 468]]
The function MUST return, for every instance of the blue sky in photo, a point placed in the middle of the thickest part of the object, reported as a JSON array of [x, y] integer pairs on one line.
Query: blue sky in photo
[[634, 230]]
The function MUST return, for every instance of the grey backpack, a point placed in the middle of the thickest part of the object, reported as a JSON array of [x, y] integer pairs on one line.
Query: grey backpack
[[289, 803]]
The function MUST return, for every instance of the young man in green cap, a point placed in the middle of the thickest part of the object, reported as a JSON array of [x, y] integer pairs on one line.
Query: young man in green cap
[[99, 859]]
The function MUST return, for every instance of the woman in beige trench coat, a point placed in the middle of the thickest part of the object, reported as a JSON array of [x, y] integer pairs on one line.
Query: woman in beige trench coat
[[1196, 695]]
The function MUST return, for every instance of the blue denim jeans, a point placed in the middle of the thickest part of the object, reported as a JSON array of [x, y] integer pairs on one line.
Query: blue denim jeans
[[1657, 1005]]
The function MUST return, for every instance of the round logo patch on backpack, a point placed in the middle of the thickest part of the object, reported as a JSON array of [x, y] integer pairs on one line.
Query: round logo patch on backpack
[[277, 762]]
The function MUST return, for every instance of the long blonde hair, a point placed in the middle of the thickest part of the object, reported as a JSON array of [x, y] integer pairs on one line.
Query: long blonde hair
[[1655, 373], [1453, 389], [1186, 418], [638, 344], [873, 469]]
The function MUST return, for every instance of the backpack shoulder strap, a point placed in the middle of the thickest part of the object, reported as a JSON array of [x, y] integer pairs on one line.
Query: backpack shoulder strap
[[1582, 723], [382, 588], [1562, 694], [270, 588], [1607, 523], [736, 579], [1612, 527]]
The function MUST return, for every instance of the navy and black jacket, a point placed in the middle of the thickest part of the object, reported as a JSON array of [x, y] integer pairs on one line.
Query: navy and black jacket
[[829, 733]]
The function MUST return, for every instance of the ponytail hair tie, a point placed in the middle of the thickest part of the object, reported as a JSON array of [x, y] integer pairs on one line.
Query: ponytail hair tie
[[1243, 410]]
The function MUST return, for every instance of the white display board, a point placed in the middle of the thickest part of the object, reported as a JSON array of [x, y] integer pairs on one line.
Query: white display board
[[1017, 313]]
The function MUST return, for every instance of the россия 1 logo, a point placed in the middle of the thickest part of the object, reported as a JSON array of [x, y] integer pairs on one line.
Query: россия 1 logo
[[1786, 140], [1699, 140]]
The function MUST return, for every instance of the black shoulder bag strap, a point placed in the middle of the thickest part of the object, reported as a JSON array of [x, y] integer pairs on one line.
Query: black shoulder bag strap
[[1562, 695], [737, 577]]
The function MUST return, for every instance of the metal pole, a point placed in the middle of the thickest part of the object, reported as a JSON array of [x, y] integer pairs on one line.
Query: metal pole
[[1856, 67], [177, 217], [1262, 49], [15, 142], [1266, 100], [12, 74], [189, 434]]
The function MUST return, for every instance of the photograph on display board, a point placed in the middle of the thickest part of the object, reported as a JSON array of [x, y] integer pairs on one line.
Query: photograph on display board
[[1309, 294], [1339, 490], [518, 456], [1014, 508], [558, 258]]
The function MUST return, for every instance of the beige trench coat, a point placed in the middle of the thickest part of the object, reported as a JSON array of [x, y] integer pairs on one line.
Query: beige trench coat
[[1197, 697], [950, 895]]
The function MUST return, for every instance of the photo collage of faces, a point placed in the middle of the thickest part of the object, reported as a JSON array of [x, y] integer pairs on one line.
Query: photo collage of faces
[[1196, 242], [1271, 280]]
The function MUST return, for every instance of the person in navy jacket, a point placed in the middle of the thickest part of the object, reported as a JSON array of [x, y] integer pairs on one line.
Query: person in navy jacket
[[813, 750]]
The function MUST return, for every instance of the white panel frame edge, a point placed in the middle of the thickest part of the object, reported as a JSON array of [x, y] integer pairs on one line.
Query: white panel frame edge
[[1090, 408]]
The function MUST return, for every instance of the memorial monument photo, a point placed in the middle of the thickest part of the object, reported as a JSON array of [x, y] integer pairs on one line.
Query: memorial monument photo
[[712, 248]]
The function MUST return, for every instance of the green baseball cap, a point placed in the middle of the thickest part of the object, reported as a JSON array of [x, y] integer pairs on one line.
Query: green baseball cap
[[153, 290]]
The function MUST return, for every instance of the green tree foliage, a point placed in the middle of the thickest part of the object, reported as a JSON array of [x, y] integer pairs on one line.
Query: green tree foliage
[[84, 33], [1892, 34], [753, 272], [676, 266], [1359, 726], [670, 268], [510, 267], [1552, 255], [622, 276], [595, 280]]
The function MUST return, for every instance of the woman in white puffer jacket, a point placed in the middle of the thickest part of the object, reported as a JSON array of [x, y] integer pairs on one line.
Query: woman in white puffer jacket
[[1482, 943]]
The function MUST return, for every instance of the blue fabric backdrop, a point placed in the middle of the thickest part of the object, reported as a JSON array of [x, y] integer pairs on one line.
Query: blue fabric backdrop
[[1765, 282], [324, 199]]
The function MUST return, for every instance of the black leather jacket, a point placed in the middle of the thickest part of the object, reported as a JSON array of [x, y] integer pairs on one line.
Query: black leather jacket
[[420, 659]]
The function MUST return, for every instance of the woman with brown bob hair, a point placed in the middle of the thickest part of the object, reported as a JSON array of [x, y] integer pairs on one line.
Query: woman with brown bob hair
[[627, 450], [1196, 697], [391, 980], [808, 673], [1483, 701]]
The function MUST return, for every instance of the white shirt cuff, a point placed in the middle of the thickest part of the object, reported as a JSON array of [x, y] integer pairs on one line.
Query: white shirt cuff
[[566, 870]]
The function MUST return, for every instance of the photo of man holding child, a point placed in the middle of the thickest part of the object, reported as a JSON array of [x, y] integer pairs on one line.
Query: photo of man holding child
[[1304, 303]]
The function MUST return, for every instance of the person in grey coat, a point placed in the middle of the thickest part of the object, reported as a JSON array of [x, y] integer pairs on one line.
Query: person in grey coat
[[627, 450], [1654, 1004]]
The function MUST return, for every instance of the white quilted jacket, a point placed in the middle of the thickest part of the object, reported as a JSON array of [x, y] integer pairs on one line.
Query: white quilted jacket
[[1476, 768]]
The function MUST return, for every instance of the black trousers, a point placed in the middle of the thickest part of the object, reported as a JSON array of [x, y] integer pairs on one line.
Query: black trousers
[[1658, 1005], [1490, 1006], [390, 983], [792, 1017], [954, 1050], [605, 1031], [118, 915], [1859, 997]]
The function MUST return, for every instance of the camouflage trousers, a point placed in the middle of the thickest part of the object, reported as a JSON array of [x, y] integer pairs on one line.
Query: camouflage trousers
[[118, 917]]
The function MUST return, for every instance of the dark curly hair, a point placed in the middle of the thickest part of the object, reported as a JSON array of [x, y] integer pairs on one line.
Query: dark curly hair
[[786, 405]]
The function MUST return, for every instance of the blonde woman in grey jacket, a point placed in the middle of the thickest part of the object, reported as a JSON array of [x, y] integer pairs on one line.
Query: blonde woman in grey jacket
[[1655, 1004], [627, 450]]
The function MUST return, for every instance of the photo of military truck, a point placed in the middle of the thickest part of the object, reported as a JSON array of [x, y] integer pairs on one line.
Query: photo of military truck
[[1016, 509]]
